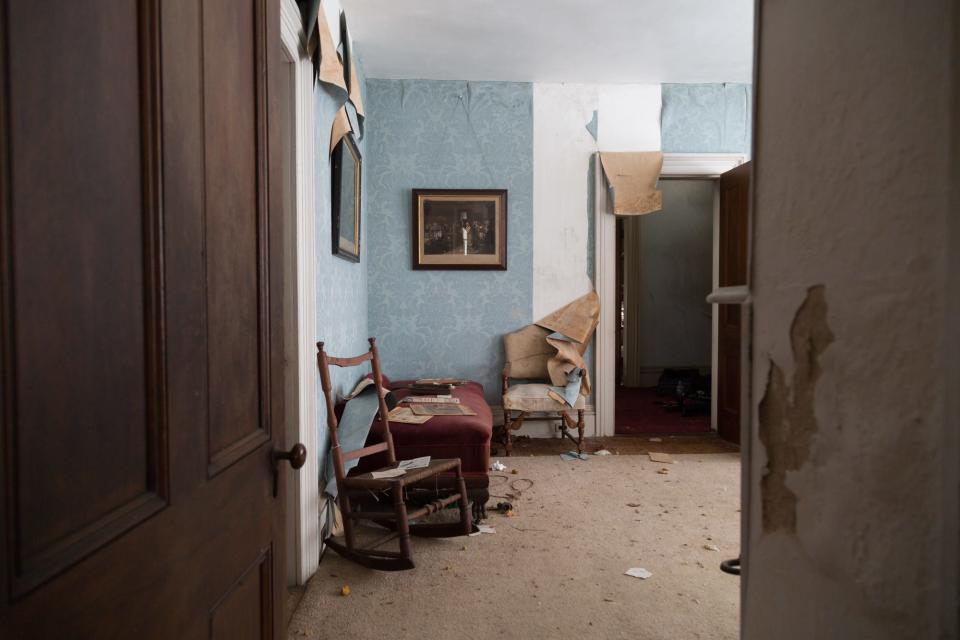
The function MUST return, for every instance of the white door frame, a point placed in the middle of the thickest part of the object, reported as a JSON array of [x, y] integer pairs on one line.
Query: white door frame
[[305, 485], [675, 165]]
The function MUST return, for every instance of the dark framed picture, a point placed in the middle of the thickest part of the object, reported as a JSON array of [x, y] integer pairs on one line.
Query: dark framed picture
[[460, 229], [345, 199]]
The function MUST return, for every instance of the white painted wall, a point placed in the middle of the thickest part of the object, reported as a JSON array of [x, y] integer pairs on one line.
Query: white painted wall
[[628, 120], [629, 117], [562, 147], [853, 165]]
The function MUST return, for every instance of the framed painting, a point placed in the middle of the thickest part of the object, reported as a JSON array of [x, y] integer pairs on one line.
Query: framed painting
[[460, 229], [345, 199]]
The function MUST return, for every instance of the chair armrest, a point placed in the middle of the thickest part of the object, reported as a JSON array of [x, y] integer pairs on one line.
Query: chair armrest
[[506, 377]]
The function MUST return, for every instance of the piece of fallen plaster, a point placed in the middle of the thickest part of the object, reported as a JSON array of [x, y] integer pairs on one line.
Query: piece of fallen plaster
[[787, 421]]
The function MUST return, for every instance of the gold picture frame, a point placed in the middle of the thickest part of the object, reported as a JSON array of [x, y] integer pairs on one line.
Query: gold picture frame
[[460, 229]]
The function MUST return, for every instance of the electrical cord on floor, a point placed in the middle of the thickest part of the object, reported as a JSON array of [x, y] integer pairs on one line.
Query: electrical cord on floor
[[512, 484]]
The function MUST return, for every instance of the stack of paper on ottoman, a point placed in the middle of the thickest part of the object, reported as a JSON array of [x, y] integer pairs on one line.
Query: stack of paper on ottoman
[[442, 436]]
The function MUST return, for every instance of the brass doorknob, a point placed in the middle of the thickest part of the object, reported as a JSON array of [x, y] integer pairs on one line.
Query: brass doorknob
[[297, 455]]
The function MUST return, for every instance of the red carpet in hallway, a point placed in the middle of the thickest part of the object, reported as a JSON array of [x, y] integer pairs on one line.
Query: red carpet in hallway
[[639, 410]]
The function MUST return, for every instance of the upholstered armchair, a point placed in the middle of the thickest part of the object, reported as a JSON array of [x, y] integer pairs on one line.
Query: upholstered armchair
[[527, 389]]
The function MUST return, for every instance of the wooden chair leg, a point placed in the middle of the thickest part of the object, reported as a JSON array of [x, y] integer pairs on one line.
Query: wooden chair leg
[[511, 425], [403, 524], [506, 430], [580, 426]]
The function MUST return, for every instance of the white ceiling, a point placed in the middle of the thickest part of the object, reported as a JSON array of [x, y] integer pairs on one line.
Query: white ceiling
[[592, 41]]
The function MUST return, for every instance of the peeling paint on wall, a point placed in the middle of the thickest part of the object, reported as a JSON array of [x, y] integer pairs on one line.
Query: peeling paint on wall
[[786, 414]]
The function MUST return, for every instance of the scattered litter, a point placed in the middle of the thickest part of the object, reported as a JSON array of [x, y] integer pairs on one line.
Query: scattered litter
[[602, 452], [483, 528], [608, 600], [638, 572], [656, 439], [711, 547], [634, 504], [388, 473], [573, 455], [498, 466], [345, 590], [664, 458], [664, 471], [503, 507], [514, 472]]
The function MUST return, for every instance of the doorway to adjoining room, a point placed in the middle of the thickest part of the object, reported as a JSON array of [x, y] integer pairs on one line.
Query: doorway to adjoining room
[[666, 331]]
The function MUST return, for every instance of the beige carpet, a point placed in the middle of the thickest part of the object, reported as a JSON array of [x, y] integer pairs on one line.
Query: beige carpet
[[556, 569]]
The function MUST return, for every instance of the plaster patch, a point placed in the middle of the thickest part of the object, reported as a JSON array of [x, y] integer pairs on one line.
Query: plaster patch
[[786, 413]]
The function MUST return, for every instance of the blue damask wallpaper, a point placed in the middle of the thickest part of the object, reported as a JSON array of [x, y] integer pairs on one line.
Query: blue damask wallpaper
[[341, 285], [455, 135], [706, 118]]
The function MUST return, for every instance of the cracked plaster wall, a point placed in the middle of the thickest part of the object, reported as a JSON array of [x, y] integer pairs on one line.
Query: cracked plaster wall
[[853, 480]]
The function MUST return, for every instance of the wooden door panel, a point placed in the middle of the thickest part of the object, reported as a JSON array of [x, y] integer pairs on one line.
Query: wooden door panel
[[243, 613], [81, 284], [734, 208], [141, 321], [235, 206]]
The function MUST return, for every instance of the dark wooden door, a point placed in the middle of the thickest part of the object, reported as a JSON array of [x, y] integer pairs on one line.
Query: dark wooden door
[[141, 357], [734, 205]]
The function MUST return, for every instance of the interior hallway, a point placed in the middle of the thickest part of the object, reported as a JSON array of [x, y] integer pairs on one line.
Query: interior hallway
[[556, 569]]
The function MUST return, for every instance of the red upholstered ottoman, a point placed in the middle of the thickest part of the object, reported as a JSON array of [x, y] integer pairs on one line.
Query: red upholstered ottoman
[[464, 437]]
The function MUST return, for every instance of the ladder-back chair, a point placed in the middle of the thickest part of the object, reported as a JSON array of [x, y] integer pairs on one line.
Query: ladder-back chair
[[400, 517]]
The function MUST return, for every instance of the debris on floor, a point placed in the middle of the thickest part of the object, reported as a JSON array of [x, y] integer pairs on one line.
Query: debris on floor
[[602, 452], [503, 507], [711, 547], [663, 471], [573, 455], [664, 458], [483, 528], [345, 590], [498, 466], [656, 439], [634, 504], [638, 572]]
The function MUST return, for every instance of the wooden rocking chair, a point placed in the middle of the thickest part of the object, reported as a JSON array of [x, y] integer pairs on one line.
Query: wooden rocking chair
[[399, 518]]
